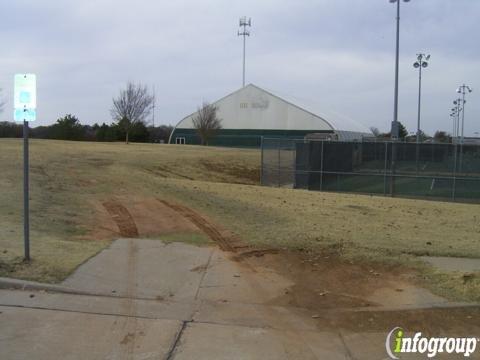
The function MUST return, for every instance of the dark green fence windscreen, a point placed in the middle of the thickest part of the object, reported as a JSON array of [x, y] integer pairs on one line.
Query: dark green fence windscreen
[[433, 171], [238, 137]]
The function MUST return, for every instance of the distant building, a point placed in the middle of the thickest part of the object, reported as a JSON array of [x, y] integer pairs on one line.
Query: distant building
[[251, 113]]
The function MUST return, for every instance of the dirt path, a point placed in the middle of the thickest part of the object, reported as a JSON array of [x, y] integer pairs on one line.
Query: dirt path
[[132, 217], [122, 218], [319, 281]]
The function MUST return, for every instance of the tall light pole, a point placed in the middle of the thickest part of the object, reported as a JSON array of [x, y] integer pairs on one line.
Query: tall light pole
[[244, 23], [422, 62], [454, 115], [462, 90], [457, 110], [395, 128]]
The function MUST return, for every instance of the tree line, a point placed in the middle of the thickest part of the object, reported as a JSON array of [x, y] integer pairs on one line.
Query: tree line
[[69, 127], [130, 111], [404, 135]]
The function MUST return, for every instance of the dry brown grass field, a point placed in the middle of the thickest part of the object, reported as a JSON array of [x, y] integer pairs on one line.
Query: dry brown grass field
[[72, 181]]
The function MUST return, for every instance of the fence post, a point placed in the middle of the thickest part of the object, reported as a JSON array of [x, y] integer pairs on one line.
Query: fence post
[[417, 156], [292, 148], [261, 161], [454, 172], [278, 167], [321, 168], [393, 166], [385, 170], [308, 167]]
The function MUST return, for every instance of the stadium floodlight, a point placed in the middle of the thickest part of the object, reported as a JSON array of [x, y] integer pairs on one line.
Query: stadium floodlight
[[395, 127], [422, 62], [463, 89], [244, 22]]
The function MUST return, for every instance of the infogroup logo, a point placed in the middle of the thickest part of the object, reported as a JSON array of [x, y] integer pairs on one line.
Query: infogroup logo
[[397, 343]]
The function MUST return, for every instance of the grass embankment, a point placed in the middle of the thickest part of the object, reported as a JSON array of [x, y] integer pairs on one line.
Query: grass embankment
[[68, 177], [371, 229]]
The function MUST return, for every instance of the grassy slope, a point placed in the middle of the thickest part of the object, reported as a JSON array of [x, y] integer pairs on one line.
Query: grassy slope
[[67, 176]]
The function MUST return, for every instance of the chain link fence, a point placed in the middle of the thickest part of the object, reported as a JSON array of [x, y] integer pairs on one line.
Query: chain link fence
[[448, 172]]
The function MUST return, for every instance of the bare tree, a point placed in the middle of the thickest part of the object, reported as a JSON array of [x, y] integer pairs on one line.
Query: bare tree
[[206, 122], [132, 106], [375, 131]]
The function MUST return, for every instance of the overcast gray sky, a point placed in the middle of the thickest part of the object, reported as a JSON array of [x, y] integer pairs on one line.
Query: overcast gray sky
[[338, 54]]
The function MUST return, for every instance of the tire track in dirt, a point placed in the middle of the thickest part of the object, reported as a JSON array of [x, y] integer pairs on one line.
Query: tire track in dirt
[[203, 224], [122, 218], [160, 170], [226, 243]]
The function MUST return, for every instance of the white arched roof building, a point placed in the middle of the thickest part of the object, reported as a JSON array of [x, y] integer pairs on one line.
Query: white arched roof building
[[252, 112]]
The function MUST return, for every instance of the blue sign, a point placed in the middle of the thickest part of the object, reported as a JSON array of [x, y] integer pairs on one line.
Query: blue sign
[[25, 115], [25, 97]]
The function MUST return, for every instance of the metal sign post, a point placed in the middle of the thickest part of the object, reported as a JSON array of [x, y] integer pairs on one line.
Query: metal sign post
[[25, 111], [26, 202]]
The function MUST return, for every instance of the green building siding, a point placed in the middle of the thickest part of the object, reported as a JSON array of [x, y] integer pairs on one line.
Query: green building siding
[[240, 137]]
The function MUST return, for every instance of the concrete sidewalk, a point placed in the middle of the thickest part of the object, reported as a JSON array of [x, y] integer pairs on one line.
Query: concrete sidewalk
[[143, 299]]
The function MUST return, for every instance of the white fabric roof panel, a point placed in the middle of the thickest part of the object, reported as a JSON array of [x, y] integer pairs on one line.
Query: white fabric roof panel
[[254, 108]]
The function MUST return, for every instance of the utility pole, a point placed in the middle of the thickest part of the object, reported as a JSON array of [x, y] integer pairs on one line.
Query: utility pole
[[244, 23]]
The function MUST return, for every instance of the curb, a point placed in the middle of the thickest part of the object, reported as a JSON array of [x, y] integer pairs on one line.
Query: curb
[[409, 307], [16, 284]]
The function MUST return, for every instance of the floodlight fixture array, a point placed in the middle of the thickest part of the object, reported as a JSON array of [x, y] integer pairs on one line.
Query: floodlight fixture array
[[422, 62], [463, 89]]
